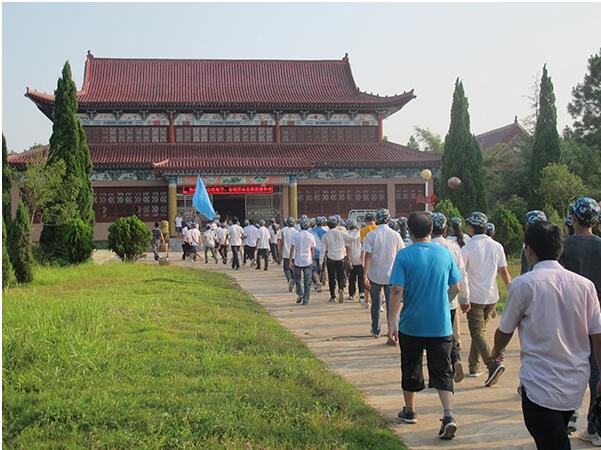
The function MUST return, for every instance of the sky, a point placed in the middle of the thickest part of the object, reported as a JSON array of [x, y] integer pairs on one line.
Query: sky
[[497, 50]]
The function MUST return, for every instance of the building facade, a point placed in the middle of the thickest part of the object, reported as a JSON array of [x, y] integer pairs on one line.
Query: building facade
[[271, 138]]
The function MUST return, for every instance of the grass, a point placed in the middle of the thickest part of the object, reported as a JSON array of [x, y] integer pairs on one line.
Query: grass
[[513, 265], [124, 356]]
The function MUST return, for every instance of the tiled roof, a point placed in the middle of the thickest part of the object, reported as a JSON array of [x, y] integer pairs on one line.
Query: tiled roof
[[503, 135], [251, 158], [223, 84]]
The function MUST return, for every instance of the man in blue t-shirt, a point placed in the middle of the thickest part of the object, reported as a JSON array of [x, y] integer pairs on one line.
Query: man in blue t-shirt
[[424, 277]]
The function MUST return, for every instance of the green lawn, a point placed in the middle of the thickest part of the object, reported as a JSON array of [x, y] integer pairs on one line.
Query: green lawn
[[514, 270], [124, 356]]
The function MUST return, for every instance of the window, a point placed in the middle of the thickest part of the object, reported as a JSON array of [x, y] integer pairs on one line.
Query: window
[[148, 203]]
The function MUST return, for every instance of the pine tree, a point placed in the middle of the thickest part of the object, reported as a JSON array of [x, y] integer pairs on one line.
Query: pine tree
[[6, 184], [412, 143], [69, 144], [8, 274], [546, 149], [19, 245], [462, 158]]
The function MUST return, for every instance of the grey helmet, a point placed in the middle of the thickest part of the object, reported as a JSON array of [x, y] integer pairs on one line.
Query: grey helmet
[[382, 216], [477, 219]]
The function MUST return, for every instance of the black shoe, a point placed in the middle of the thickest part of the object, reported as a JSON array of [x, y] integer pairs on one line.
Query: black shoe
[[448, 428], [265, 268], [494, 373], [299, 299], [406, 416], [257, 268]]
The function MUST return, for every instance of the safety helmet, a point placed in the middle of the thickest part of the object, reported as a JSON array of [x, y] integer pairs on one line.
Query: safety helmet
[[439, 220], [477, 219], [586, 210], [535, 216], [382, 216]]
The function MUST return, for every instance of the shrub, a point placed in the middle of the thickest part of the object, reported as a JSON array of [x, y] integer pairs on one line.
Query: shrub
[[78, 238], [509, 231], [19, 245], [53, 245], [8, 274], [518, 206], [129, 238], [448, 209]]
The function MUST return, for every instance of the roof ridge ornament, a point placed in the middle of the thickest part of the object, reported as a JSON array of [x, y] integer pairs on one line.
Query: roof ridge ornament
[[345, 57], [90, 55]]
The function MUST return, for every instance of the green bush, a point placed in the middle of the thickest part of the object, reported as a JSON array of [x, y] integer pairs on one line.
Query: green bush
[[448, 209], [509, 231], [53, 245], [78, 237], [518, 206], [129, 238], [19, 245], [8, 274]]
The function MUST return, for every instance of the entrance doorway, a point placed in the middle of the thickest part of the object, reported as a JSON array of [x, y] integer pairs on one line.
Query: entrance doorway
[[229, 206]]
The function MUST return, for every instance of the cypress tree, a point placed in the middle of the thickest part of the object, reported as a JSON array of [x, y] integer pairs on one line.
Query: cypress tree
[[68, 143], [19, 245], [8, 274], [6, 184], [462, 158], [546, 149]]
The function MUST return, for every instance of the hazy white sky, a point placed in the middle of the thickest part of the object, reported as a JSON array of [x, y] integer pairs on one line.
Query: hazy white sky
[[496, 49]]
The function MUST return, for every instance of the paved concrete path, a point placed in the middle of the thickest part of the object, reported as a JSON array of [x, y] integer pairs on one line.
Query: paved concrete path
[[338, 334]]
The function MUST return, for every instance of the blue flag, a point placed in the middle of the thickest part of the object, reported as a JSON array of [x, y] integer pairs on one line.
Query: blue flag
[[201, 200]]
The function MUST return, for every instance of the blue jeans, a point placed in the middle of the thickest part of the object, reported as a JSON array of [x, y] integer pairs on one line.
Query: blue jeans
[[306, 273], [286, 267], [375, 292]]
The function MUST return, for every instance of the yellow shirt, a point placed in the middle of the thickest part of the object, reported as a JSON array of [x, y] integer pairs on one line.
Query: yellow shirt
[[366, 229]]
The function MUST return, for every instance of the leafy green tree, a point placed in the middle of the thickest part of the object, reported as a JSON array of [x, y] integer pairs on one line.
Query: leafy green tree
[[412, 144], [6, 184], [462, 158], [584, 161], [559, 187], [8, 274], [546, 149], [447, 208], [585, 107], [431, 141], [508, 230], [518, 206], [68, 144], [19, 245], [129, 238]]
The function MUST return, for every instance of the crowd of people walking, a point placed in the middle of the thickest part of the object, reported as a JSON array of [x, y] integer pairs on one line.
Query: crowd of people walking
[[421, 270]]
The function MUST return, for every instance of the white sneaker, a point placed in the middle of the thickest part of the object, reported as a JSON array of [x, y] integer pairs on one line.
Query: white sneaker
[[318, 287], [351, 298], [340, 295], [290, 285], [592, 438], [381, 308], [364, 303]]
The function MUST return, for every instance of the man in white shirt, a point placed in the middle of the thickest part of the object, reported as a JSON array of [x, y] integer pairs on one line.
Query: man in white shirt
[[484, 258], [555, 311], [250, 242], [333, 251], [208, 238], [439, 227], [262, 245], [302, 250], [223, 241], [273, 241], [194, 238], [284, 242], [380, 247], [178, 223], [355, 263], [236, 234], [185, 245]]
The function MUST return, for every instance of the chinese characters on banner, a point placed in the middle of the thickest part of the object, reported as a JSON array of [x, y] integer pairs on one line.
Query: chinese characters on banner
[[247, 189]]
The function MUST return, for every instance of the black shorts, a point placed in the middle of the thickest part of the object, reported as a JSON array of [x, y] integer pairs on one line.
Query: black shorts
[[438, 355], [178, 229]]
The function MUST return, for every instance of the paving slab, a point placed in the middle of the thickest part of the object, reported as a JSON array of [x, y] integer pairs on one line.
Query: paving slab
[[338, 334]]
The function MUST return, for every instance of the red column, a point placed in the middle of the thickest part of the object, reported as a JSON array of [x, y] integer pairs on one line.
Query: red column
[[277, 139], [171, 130]]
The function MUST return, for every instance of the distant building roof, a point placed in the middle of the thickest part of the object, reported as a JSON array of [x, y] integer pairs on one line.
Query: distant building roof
[[506, 135], [243, 84], [244, 158]]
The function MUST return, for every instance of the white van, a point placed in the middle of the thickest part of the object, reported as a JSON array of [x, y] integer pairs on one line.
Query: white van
[[358, 215]]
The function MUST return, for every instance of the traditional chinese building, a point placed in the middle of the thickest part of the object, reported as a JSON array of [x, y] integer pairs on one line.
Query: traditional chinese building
[[271, 138]]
